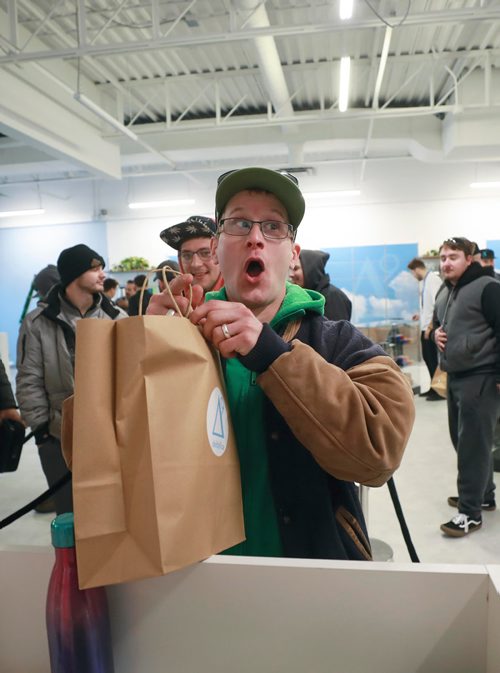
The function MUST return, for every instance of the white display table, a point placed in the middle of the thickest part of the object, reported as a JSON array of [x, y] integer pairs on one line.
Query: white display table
[[273, 616]]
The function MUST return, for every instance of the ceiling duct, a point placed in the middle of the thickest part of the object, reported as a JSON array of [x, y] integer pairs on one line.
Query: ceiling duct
[[267, 57]]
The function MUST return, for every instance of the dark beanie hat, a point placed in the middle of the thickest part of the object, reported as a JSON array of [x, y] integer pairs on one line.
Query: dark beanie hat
[[73, 262]]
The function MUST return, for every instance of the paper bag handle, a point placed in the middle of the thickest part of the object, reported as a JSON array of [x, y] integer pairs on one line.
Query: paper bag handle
[[164, 270]]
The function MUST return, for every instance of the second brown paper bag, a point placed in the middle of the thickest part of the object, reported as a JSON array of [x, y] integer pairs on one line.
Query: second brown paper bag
[[156, 481]]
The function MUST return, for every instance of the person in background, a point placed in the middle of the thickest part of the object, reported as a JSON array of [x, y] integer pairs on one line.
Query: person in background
[[8, 406], [487, 260], [46, 351], [467, 333], [429, 284], [476, 252], [140, 281], [122, 302], [110, 288], [45, 280], [316, 406], [309, 271], [192, 239], [172, 264], [130, 288]]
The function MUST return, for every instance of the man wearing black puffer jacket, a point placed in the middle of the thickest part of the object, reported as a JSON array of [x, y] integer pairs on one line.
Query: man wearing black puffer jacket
[[467, 334], [46, 355], [309, 271]]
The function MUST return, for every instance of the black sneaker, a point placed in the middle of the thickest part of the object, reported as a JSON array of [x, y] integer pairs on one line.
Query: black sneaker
[[488, 506], [433, 396], [461, 525]]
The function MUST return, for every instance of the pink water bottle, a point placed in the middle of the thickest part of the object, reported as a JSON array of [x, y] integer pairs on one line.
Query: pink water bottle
[[77, 619]]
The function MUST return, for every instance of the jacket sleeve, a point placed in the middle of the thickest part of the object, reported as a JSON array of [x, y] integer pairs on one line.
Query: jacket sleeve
[[30, 386], [356, 423]]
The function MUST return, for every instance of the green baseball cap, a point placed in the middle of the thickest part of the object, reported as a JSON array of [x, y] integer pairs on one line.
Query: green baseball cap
[[282, 184]]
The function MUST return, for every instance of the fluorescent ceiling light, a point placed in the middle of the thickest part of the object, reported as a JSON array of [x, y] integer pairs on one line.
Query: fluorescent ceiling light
[[325, 195], [19, 213], [345, 9], [90, 105], [345, 71], [485, 185], [142, 205]]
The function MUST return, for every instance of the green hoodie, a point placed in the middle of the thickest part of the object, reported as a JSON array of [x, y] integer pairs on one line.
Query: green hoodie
[[246, 402]]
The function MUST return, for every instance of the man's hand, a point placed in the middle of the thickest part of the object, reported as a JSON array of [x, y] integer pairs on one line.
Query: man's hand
[[440, 338], [159, 304], [231, 327], [428, 331]]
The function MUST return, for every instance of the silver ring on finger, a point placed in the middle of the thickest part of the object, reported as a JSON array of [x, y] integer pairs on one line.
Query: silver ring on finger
[[225, 331]]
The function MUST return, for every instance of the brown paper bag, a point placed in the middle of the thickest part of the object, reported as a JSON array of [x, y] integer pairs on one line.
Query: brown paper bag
[[156, 481], [439, 382]]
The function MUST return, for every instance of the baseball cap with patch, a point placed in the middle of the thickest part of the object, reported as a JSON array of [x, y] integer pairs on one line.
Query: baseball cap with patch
[[195, 226], [282, 184], [487, 253]]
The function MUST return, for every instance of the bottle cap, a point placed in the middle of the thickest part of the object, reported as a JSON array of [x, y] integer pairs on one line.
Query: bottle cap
[[62, 530]]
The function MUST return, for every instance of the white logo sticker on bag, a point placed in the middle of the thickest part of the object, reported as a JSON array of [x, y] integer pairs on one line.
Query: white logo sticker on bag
[[217, 422]]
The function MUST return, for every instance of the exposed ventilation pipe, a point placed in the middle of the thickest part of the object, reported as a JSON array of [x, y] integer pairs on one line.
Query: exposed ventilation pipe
[[267, 57]]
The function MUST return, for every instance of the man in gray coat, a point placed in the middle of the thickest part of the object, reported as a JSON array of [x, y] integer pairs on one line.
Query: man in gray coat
[[46, 354], [467, 334]]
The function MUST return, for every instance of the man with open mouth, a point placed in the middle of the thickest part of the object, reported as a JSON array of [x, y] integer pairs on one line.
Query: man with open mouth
[[316, 406]]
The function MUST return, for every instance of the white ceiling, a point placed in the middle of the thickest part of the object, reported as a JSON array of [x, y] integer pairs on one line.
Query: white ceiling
[[208, 85]]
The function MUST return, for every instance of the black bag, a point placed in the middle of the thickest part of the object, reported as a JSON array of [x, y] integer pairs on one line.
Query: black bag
[[11, 444]]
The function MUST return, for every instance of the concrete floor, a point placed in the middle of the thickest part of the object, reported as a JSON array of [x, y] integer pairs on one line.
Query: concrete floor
[[425, 479]]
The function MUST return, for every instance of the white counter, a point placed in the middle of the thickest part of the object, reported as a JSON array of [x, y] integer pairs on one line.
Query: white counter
[[244, 615]]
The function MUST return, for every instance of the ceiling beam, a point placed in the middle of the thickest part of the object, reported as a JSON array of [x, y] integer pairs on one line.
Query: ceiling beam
[[420, 19], [71, 138]]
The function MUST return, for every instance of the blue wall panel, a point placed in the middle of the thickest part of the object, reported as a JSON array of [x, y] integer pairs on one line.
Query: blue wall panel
[[376, 279], [495, 246]]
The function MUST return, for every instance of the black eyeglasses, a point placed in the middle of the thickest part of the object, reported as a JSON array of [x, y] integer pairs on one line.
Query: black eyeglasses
[[205, 254], [288, 175], [271, 229]]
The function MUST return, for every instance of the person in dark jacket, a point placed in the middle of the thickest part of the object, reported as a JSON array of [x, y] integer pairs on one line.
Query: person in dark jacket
[[172, 264], [315, 404], [309, 272], [467, 333], [8, 406], [46, 354], [140, 281]]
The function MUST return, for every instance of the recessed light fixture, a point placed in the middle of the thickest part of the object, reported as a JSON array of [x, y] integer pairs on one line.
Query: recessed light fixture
[[20, 213], [345, 72], [327, 195], [143, 205], [485, 185]]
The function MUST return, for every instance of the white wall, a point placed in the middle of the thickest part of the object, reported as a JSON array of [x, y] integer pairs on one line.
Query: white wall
[[402, 201]]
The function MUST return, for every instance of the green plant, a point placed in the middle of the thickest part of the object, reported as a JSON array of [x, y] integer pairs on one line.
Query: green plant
[[131, 264]]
